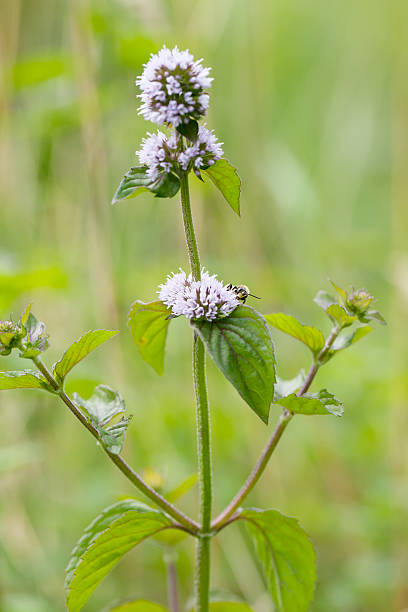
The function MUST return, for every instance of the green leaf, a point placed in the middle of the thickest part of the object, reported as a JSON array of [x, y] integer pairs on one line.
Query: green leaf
[[311, 336], [338, 314], [229, 606], [285, 387], [148, 325], [166, 186], [321, 403], [226, 179], [287, 557], [324, 299], [141, 605], [80, 349], [36, 339], [135, 182], [24, 379], [189, 130], [374, 315], [342, 293], [112, 534], [346, 340], [241, 347], [101, 408]]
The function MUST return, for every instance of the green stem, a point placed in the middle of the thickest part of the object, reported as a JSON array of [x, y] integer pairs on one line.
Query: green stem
[[184, 521], [202, 581]]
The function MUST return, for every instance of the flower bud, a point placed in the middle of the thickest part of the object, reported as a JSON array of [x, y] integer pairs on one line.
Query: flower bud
[[358, 301]]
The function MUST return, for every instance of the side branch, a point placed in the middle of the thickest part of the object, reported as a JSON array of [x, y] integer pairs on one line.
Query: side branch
[[159, 500], [286, 416]]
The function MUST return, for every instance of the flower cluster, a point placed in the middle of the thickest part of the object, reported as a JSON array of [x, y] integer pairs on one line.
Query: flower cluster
[[202, 153], [173, 88], [159, 154], [10, 334], [165, 154], [206, 298]]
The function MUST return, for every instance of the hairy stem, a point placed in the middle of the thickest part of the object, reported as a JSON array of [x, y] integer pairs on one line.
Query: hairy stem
[[286, 416], [184, 521], [202, 580]]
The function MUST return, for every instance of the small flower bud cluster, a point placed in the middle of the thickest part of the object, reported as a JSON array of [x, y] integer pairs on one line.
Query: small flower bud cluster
[[203, 153], [10, 334], [173, 88], [358, 301], [206, 298]]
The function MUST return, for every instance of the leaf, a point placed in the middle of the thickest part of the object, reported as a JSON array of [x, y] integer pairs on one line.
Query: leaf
[[110, 536], [342, 293], [189, 130], [285, 387], [36, 339], [141, 605], [287, 557], [166, 186], [226, 179], [148, 325], [324, 299], [321, 403], [241, 347], [80, 349], [229, 606], [374, 315], [135, 182], [311, 336], [101, 408], [24, 379], [338, 314], [346, 340]]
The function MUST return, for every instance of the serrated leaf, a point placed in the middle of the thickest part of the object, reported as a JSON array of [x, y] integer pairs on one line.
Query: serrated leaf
[[225, 177], [287, 557], [148, 325], [242, 348], [141, 605], [24, 379], [101, 408], [135, 182], [110, 536], [189, 130], [337, 313], [321, 403], [80, 349], [286, 387], [165, 186], [346, 340], [311, 336]]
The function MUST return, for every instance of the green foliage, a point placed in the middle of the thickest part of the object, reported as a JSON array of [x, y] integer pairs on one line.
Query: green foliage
[[137, 181], [35, 339], [79, 350], [311, 336], [286, 387], [241, 347], [148, 325], [226, 179], [110, 536], [141, 605], [36, 70], [321, 403], [228, 606], [189, 130], [24, 379], [101, 408], [351, 306], [346, 340], [287, 558]]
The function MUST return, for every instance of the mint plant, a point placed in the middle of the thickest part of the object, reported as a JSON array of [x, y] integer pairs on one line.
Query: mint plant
[[174, 93]]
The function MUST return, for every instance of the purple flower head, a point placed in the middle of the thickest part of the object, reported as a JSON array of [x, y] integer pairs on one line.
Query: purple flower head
[[173, 87]]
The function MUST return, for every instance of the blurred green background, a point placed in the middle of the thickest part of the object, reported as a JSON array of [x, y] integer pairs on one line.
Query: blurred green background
[[310, 99]]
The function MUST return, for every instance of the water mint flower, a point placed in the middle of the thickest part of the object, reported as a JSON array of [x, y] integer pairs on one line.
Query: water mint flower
[[159, 154], [206, 298], [173, 88], [203, 153]]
